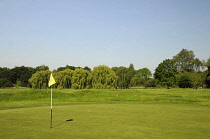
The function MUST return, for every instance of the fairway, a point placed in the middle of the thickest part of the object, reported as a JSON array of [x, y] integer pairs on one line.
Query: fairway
[[97, 121]]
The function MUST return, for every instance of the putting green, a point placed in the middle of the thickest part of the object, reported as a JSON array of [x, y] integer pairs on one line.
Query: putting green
[[97, 121]]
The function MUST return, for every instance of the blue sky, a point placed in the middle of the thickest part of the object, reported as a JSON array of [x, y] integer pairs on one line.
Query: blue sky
[[101, 32]]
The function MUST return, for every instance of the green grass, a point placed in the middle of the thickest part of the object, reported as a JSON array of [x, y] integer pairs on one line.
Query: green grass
[[119, 121], [19, 98], [121, 114]]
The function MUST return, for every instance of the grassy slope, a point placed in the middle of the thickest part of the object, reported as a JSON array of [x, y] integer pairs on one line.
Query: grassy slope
[[17, 98], [133, 113]]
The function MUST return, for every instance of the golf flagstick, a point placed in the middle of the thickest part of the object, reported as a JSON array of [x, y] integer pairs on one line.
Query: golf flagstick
[[51, 110], [51, 82]]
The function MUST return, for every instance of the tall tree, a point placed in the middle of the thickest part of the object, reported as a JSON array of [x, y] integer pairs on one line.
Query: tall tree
[[144, 73], [141, 77], [103, 77], [131, 66], [165, 73], [21, 75], [40, 79], [124, 76], [64, 78], [198, 65], [4, 78], [184, 60], [80, 79]]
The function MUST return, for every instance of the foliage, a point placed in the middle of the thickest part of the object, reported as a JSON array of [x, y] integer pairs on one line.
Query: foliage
[[5, 78], [80, 79], [198, 65], [42, 67], [208, 63], [124, 76], [165, 73], [87, 68], [67, 67], [141, 77], [103, 77], [39, 80], [5, 83], [63, 78], [21, 75], [151, 83], [131, 66], [137, 81], [195, 78], [185, 82], [72, 68], [185, 61], [144, 73], [208, 78]]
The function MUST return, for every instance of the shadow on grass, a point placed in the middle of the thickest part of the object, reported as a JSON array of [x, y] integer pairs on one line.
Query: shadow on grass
[[62, 123]]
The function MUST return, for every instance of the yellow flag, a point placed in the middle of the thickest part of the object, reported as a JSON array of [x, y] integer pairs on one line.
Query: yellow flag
[[51, 81]]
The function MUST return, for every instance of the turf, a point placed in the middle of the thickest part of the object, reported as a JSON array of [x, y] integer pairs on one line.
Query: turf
[[107, 121], [131, 113]]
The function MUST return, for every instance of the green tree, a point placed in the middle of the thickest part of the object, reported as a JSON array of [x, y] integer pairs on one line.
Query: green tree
[[144, 73], [42, 67], [124, 76], [198, 65], [5, 83], [131, 66], [40, 79], [4, 73], [141, 77], [87, 68], [150, 83], [103, 77], [208, 63], [165, 73], [5, 78], [184, 60], [137, 81], [208, 74], [196, 78], [21, 75], [63, 78], [80, 79]]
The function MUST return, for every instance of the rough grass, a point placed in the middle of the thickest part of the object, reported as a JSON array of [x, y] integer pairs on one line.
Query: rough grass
[[16, 98]]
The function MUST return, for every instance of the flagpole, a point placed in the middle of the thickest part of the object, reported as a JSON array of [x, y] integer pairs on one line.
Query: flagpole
[[51, 110], [51, 82]]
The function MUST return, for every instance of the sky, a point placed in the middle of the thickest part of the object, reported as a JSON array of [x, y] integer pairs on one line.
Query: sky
[[90, 33]]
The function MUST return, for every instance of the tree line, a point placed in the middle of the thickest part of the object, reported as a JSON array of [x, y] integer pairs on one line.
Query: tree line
[[183, 70]]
